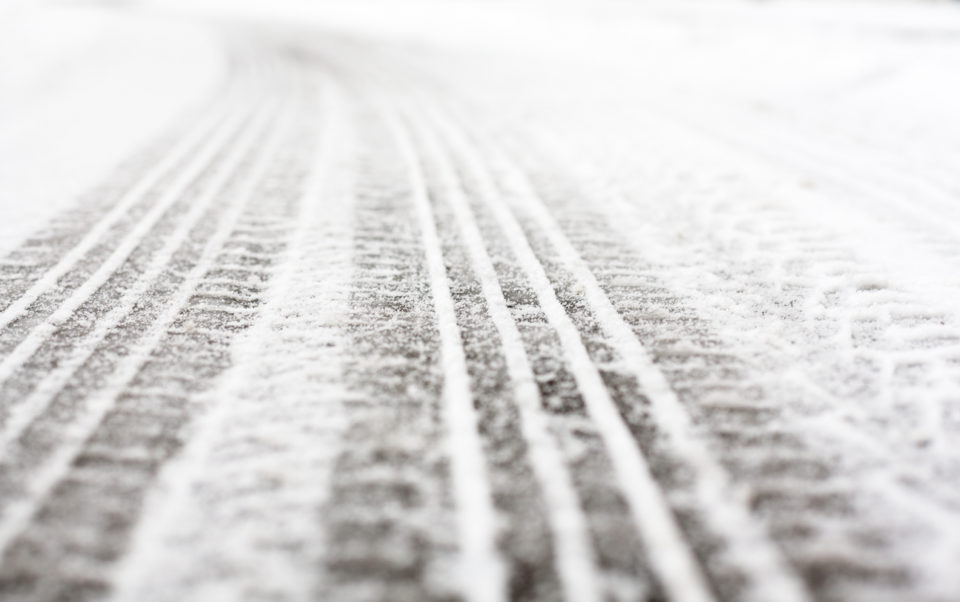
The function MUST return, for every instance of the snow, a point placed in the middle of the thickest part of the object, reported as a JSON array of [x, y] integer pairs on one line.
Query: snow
[[711, 246], [80, 90]]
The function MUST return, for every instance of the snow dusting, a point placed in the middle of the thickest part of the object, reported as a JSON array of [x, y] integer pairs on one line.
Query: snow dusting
[[479, 301]]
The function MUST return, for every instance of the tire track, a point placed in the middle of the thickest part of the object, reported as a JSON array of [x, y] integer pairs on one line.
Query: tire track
[[740, 538], [39, 255], [389, 505], [623, 574], [511, 420], [59, 466], [670, 555], [48, 354], [245, 456], [55, 306], [56, 359], [814, 448], [622, 565], [80, 245], [493, 393], [476, 516], [522, 536], [89, 229], [481, 568]]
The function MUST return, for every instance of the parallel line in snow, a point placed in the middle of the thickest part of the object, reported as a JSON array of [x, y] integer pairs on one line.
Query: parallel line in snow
[[95, 235], [41, 481], [182, 473], [769, 574], [670, 554], [908, 497], [25, 348], [28, 409], [481, 569], [576, 564]]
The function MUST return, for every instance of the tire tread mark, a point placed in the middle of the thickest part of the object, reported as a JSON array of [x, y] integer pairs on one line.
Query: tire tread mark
[[22, 340], [671, 556], [389, 507], [575, 557], [46, 547], [482, 571], [223, 479]]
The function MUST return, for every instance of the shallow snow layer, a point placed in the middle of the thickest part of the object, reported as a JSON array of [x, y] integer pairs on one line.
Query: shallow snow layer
[[440, 300]]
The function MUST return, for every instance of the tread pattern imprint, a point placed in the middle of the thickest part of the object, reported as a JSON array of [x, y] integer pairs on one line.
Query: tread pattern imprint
[[343, 335]]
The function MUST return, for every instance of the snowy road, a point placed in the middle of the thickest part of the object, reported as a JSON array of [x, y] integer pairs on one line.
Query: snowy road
[[480, 301]]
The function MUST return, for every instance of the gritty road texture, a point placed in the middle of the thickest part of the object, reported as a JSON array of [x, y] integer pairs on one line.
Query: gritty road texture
[[376, 323]]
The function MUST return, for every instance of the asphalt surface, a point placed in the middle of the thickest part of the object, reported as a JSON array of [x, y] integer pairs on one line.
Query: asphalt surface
[[373, 323]]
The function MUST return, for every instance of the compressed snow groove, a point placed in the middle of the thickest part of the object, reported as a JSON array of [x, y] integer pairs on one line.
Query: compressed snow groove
[[526, 549], [626, 363], [83, 269], [618, 554], [799, 454], [480, 566], [564, 519], [61, 369], [670, 555], [364, 328], [43, 275], [389, 509], [119, 435], [43, 252], [209, 496], [72, 454]]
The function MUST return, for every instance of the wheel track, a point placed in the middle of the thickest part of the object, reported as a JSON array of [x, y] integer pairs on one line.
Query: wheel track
[[390, 485], [620, 562], [56, 359], [102, 214], [132, 439], [526, 540], [25, 265], [389, 505], [620, 569], [598, 392], [55, 306], [245, 455], [777, 441], [482, 570], [750, 540], [670, 556], [87, 235], [729, 541]]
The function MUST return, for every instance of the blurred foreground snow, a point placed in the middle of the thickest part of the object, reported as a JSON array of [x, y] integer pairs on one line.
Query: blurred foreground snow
[[480, 300]]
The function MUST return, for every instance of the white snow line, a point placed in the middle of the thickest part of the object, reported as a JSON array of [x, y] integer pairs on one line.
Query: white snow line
[[96, 233], [19, 354], [669, 553], [483, 575], [25, 412], [576, 561], [43, 479], [179, 476], [770, 576]]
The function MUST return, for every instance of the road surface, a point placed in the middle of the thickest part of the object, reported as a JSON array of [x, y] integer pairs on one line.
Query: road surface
[[481, 302]]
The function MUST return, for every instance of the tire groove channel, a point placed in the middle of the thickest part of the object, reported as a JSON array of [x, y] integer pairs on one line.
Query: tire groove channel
[[97, 452]]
